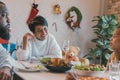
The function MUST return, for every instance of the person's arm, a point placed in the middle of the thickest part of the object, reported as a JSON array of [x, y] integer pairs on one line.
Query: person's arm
[[26, 39], [54, 49], [6, 63], [5, 73], [109, 60], [22, 54], [25, 52], [5, 58]]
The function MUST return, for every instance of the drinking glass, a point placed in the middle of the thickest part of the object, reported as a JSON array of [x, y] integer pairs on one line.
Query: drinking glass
[[114, 71], [65, 46], [18, 43]]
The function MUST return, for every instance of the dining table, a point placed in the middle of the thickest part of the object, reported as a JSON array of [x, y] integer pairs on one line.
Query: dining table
[[43, 74], [36, 75], [40, 75]]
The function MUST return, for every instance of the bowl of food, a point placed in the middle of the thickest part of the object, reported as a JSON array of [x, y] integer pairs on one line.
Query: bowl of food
[[58, 65], [45, 60], [90, 70], [60, 69]]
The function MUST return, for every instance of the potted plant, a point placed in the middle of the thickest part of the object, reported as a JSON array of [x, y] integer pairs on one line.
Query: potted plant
[[103, 30]]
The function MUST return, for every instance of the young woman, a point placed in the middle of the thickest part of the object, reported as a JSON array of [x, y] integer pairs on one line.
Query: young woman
[[39, 44], [115, 45]]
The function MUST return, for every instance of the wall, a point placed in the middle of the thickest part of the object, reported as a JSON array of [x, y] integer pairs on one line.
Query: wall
[[113, 7], [19, 11]]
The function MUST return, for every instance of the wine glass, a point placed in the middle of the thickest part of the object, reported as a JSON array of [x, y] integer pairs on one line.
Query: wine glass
[[18, 43], [65, 49], [114, 70], [65, 46]]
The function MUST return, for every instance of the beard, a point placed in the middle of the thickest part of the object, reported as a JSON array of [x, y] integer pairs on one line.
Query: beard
[[4, 33]]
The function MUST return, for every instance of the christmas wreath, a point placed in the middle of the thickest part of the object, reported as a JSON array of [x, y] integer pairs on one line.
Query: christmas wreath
[[73, 18]]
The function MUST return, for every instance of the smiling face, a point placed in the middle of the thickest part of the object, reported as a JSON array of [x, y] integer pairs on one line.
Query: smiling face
[[39, 27], [41, 32]]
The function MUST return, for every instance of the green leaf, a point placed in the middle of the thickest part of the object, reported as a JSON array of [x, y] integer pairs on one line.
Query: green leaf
[[102, 32], [98, 17], [94, 26], [113, 16], [95, 40], [106, 46], [114, 23], [103, 19], [97, 33], [105, 25], [106, 41], [100, 43], [98, 52], [106, 18], [110, 30], [107, 56]]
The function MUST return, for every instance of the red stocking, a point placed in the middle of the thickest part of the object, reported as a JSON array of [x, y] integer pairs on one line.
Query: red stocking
[[33, 13]]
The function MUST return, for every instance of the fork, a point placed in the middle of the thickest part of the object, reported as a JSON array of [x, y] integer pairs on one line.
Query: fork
[[73, 73], [25, 66]]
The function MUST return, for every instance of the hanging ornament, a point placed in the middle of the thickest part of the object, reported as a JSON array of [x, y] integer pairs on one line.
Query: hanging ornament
[[57, 9], [33, 12], [73, 18], [55, 25]]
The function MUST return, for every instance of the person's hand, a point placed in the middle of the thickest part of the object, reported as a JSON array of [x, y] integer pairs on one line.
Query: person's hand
[[5, 73], [106, 68], [26, 37]]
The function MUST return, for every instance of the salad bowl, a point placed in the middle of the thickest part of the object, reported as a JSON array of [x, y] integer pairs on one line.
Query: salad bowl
[[91, 70]]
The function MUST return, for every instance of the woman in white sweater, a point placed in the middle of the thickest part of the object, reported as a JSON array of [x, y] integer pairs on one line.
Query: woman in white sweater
[[40, 43]]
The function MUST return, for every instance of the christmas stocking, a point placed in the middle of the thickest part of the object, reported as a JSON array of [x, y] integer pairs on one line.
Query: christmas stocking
[[33, 13]]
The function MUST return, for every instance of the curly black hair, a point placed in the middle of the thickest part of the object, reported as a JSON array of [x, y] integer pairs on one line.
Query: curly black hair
[[38, 20]]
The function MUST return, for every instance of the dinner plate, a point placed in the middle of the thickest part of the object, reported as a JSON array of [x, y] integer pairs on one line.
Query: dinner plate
[[29, 70]]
